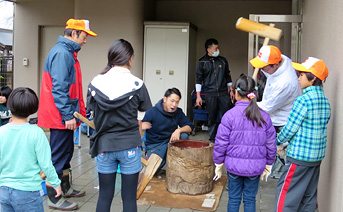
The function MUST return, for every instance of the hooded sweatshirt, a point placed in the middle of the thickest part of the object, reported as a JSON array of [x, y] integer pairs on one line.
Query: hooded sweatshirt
[[163, 123], [115, 97]]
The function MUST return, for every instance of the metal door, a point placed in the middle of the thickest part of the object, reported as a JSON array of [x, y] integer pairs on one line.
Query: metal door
[[166, 61], [290, 41]]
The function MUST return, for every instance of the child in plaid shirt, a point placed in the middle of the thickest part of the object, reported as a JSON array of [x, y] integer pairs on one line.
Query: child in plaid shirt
[[306, 132]]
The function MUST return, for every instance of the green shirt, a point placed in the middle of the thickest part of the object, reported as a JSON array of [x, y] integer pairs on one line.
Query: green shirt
[[24, 151], [306, 129]]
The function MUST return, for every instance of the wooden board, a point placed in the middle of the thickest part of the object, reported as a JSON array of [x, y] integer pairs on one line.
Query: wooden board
[[83, 119], [156, 194], [149, 169]]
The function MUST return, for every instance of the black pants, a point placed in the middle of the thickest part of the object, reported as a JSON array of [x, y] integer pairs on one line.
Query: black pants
[[128, 192], [62, 149], [216, 108]]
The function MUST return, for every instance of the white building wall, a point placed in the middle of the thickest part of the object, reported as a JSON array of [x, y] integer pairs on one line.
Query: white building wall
[[322, 38], [110, 19], [28, 17]]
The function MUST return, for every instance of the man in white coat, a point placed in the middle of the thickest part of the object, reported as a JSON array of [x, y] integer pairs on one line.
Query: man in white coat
[[281, 88]]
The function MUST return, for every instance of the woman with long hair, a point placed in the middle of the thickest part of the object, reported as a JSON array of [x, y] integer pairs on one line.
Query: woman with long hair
[[116, 96]]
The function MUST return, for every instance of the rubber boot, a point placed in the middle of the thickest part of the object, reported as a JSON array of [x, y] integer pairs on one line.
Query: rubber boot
[[58, 202], [67, 190]]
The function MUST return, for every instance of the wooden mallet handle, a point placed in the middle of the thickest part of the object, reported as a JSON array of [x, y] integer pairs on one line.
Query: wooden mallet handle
[[83, 119], [265, 43]]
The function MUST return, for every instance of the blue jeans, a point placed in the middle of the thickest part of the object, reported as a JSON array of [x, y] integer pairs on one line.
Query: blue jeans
[[17, 200], [238, 185], [129, 160], [160, 149]]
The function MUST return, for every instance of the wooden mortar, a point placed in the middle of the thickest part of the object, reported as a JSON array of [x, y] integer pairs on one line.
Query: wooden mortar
[[190, 167]]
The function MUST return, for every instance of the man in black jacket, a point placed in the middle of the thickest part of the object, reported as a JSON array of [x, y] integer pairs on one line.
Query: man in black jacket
[[213, 75]]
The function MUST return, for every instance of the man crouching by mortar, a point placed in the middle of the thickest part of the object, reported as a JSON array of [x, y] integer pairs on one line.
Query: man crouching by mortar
[[162, 123]]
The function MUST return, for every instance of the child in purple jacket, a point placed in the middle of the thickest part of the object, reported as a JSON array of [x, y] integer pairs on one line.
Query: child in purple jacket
[[246, 143]]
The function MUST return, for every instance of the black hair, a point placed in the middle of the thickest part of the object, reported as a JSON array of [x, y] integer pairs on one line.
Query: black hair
[[119, 54], [210, 42], [246, 85], [23, 102], [68, 32], [5, 91], [171, 91], [310, 76]]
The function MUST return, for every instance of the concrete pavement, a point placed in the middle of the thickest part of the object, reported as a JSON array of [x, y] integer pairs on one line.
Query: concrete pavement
[[85, 177]]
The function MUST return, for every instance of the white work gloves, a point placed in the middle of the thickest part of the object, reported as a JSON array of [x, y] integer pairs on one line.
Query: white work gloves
[[218, 171], [266, 172]]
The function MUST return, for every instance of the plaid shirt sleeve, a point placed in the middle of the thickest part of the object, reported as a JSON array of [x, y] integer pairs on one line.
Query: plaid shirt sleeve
[[296, 117], [306, 129]]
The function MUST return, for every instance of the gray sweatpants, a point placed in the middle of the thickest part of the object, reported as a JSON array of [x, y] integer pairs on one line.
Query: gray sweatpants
[[297, 187]]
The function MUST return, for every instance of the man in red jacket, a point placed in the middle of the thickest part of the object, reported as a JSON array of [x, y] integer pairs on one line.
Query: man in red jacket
[[61, 95]]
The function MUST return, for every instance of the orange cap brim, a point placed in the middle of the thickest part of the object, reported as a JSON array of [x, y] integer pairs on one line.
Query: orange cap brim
[[257, 63], [90, 33], [81, 29], [300, 67]]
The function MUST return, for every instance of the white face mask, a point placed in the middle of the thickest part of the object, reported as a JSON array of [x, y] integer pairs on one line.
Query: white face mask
[[215, 54]]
